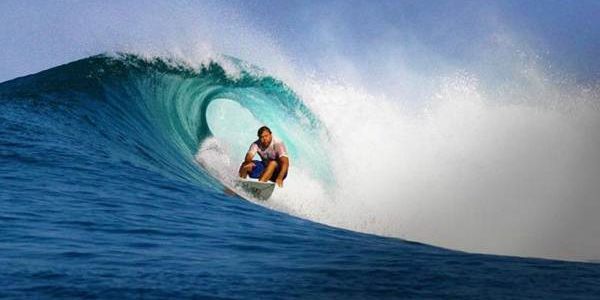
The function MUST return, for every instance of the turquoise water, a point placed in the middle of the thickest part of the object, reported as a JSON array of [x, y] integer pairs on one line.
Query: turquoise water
[[102, 198]]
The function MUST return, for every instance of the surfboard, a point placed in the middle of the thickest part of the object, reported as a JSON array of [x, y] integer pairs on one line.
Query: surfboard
[[215, 160], [258, 190]]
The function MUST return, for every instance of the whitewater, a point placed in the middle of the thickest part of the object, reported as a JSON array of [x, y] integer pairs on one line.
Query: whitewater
[[405, 181], [461, 173]]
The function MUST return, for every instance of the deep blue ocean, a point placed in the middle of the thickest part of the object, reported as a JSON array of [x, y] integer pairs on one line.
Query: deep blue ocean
[[101, 199]]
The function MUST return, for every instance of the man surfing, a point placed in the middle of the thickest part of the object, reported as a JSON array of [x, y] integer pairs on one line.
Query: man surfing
[[275, 162]]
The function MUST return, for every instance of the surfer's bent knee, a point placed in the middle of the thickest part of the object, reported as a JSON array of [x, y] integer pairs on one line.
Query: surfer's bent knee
[[272, 163]]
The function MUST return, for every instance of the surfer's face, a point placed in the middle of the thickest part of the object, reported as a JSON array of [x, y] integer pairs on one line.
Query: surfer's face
[[265, 138]]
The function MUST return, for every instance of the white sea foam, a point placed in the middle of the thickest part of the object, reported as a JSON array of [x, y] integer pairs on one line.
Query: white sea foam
[[465, 172]]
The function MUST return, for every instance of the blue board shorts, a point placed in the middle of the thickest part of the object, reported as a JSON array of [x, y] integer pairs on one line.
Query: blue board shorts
[[259, 168]]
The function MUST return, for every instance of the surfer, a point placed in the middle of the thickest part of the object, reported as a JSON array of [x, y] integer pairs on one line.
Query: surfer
[[274, 164]]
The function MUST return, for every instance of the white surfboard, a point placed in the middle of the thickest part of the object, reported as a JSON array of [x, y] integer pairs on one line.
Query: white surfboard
[[255, 189]]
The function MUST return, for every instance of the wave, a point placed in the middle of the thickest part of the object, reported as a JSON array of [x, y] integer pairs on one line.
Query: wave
[[503, 177], [156, 112]]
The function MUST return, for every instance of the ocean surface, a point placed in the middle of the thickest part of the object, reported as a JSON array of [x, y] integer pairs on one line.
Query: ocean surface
[[102, 197]]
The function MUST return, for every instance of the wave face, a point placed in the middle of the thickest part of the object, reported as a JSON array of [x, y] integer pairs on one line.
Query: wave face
[[102, 195], [160, 110]]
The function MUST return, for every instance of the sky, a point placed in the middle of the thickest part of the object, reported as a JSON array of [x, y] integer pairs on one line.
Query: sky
[[324, 36]]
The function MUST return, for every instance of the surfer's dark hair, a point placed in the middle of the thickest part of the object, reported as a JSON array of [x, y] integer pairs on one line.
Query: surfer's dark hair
[[262, 129]]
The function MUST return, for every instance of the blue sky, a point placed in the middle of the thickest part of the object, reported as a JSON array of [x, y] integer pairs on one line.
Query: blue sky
[[565, 32], [421, 36]]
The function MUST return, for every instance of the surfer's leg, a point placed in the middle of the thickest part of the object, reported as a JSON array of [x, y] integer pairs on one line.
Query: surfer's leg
[[271, 166], [276, 173], [245, 169], [257, 170]]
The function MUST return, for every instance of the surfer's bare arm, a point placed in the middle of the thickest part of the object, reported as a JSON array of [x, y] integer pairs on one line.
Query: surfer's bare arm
[[284, 162], [248, 159], [247, 165]]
